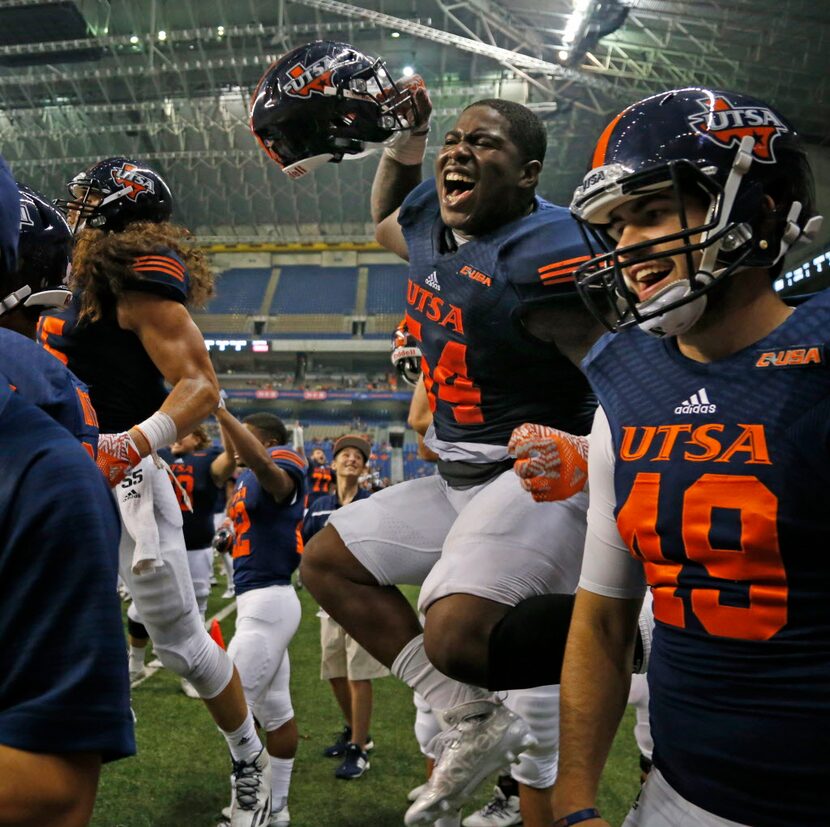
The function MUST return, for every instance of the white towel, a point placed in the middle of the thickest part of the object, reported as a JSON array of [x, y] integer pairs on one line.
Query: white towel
[[135, 498]]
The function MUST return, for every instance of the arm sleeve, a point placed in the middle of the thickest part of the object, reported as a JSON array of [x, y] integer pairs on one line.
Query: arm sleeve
[[608, 568]]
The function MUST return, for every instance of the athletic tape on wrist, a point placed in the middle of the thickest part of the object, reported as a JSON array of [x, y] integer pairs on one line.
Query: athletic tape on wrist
[[159, 430], [411, 150]]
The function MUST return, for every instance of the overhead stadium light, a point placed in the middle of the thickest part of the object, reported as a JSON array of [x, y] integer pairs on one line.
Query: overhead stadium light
[[408, 71], [134, 39], [162, 35]]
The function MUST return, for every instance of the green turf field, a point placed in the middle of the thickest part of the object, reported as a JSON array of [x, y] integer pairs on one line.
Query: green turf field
[[180, 776]]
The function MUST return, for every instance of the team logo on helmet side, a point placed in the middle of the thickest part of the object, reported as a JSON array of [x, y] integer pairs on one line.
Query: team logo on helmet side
[[725, 125], [307, 80], [129, 178]]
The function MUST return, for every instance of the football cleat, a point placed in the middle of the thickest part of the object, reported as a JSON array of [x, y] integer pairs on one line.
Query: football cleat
[[481, 737], [282, 818], [189, 689], [499, 811], [251, 806]]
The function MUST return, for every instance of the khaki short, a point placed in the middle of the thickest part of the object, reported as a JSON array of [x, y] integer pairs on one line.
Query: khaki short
[[343, 657]]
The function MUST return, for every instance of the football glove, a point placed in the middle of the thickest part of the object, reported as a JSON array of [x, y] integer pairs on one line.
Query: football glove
[[224, 537], [117, 456], [551, 464]]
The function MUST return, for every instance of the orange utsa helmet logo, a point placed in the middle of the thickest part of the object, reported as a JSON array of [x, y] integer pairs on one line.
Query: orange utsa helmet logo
[[135, 182], [303, 81], [725, 125]]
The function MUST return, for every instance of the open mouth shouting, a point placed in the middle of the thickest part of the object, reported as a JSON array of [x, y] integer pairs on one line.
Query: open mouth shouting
[[458, 187], [648, 278]]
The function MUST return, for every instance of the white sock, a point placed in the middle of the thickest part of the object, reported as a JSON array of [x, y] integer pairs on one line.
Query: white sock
[[413, 667], [227, 561], [136, 657], [280, 781], [244, 743]]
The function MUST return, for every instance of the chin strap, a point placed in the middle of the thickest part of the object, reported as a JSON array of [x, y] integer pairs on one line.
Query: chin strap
[[794, 235]]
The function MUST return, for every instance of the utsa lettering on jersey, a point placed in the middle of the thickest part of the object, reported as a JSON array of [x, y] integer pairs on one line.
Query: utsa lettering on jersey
[[708, 469]]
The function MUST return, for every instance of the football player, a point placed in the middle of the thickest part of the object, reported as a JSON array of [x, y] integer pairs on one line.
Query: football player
[[126, 332], [38, 282], [319, 476], [708, 469], [266, 511], [64, 696], [491, 302]]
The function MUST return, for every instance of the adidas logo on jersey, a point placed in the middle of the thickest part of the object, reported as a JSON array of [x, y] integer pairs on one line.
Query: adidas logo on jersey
[[132, 495], [432, 281], [696, 403]]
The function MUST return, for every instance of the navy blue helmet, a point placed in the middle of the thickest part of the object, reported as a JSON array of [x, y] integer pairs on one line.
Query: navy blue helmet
[[737, 154], [116, 192], [43, 256], [324, 101], [9, 220]]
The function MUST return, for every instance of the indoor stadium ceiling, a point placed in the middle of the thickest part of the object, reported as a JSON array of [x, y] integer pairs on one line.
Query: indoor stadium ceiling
[[169, 81]]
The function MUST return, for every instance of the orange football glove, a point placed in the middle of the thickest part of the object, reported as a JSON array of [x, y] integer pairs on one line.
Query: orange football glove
[[117, 456], [551, 464]]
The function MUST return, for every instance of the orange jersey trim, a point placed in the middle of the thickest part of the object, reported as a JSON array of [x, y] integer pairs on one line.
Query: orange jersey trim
[[290, 457]]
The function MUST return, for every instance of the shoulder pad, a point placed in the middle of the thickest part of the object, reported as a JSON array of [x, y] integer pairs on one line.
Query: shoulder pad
[[540, 258], [421, 202], [162, 273]]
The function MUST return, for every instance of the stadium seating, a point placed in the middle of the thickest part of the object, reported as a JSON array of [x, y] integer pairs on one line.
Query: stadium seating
[[386, 291], [310, 289], [239, 291]]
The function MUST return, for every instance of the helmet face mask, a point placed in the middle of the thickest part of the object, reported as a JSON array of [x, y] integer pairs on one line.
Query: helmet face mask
[[694, 143], [116, 192], [44, 254], [323, 102]]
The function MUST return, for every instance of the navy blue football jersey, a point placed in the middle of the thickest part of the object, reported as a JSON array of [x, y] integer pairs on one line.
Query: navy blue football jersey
[[124, 384], [268, 542], [65, 686], [322, 508], [48, 385], [483, 374], [192, 471], [319, 479], [722, 479]]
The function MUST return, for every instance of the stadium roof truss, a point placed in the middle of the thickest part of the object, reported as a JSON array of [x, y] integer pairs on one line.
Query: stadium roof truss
[[170, 81]]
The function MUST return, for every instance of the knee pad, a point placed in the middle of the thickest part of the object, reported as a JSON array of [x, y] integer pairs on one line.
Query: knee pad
[[426, 724], [198, 659], [136, 629], [274, 709], [539, 707]]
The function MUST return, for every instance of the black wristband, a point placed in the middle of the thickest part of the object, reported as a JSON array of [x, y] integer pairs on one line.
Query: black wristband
[[577, 817]]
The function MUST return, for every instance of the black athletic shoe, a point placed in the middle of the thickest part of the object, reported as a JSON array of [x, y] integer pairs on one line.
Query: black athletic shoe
[[355, 763], [338, 748]]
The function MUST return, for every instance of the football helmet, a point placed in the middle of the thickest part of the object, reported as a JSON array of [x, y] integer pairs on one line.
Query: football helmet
[[325, 101], [406, 355], [115, 192], [731, 150], [9, 220], [43, 255]]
